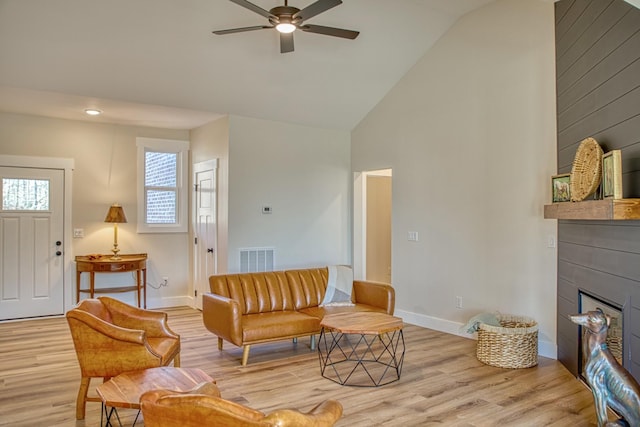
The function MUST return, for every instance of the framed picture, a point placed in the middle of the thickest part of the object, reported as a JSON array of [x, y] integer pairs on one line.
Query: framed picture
[[560, 188], [612, 175]]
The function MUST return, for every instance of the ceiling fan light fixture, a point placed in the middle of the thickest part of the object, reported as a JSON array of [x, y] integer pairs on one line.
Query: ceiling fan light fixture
[[285, 27], [286, 19]]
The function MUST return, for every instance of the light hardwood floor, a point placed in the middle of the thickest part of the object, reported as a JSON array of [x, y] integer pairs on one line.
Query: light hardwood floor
[[442, 382]]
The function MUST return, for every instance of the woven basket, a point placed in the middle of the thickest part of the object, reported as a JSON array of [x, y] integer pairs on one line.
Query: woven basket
[[586, 170], [514, 345]]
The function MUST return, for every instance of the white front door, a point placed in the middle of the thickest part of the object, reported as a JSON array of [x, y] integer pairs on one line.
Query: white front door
[[31, 239], [204, 178]]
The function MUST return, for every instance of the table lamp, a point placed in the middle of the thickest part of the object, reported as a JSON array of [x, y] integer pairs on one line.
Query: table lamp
[[116, 216]]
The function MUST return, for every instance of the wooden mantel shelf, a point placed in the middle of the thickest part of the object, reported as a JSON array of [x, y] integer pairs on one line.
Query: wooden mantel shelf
[[608, 209]]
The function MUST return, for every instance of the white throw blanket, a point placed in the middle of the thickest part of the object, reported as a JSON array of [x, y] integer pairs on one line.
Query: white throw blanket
[[339, 285]]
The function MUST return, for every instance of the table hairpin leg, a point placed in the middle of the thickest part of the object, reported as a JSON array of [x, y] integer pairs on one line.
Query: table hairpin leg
[[106, 414]]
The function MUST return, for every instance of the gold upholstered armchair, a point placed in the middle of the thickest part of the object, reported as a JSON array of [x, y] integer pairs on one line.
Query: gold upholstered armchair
[[164, 408], [111, 337]]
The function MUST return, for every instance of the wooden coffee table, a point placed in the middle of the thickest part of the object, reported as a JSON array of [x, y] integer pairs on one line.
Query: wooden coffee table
[[124, 391], [363, 349]]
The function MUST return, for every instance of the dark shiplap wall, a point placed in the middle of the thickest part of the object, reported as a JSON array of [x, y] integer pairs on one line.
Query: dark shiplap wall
[[598, 86]]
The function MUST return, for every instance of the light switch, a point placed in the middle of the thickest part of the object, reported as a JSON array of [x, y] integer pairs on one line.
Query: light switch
[[78, 233], [412, 236]]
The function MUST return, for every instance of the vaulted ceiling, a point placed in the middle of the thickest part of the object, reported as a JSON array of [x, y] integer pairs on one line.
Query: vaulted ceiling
[[157, 63]]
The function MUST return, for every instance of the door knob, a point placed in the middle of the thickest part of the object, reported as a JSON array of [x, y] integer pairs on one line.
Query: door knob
[[58, 253], [58, 243], [210, 250]]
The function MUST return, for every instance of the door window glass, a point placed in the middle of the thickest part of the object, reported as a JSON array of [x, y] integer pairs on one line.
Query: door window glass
[[20, 194]]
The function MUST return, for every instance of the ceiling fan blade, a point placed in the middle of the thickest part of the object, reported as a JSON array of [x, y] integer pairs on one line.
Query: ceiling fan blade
[[330, 31], [315, 9], [254, 8], [241, 30], [286, 42]]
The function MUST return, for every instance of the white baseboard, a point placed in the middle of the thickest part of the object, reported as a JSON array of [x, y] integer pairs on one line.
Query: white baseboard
[[170, 302], [545, 348]]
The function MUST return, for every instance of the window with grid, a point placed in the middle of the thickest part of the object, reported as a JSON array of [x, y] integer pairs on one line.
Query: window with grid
[[162, 180]]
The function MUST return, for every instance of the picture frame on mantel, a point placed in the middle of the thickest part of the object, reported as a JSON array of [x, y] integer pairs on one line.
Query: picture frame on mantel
[[560, 188], [612, 175]]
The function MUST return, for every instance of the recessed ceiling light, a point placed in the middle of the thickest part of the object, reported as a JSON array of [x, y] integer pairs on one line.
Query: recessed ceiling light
[[93, 111]]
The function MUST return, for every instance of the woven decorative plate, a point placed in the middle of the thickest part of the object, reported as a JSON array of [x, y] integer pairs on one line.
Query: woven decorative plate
[[586, 171]]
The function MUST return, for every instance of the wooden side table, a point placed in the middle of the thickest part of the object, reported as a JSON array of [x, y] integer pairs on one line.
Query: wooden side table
[[124, 390], [93, 264], [362, 349]]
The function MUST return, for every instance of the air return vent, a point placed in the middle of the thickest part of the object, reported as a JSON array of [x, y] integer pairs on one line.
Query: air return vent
[[254, 260]]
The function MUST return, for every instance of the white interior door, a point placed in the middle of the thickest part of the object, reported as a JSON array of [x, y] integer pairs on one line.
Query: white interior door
[[31, 239], [205, 248]]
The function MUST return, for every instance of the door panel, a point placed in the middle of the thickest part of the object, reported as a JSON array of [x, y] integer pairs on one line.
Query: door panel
[[205, 230], [31, 264]]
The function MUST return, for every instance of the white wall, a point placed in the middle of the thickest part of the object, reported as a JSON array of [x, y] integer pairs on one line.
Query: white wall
[[105, 172], [211, 141], [470, 135], [304, 174]]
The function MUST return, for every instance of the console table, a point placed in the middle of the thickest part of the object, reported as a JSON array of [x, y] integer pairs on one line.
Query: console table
[[93, 264]]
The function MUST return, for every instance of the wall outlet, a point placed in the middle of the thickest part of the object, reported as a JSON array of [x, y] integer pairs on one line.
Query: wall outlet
[[458, 302], [165, 280], [78, 233]]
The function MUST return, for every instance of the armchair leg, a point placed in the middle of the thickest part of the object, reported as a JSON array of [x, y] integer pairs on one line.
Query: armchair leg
[[176, 361], [245, 354], [81, 401], [220, 341]]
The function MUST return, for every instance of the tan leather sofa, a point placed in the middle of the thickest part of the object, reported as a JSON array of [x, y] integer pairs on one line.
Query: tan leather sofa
[[252, 308]]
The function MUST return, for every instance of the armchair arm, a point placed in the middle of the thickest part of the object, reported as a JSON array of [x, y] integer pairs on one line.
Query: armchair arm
[[154, 323], [162, 408], [135, 336], [376, 294], [222, 316], [326, 413]]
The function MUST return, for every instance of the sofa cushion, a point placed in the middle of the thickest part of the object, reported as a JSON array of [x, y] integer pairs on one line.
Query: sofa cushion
[[277, 325], [255, 292], [320, 312], [308, 286]]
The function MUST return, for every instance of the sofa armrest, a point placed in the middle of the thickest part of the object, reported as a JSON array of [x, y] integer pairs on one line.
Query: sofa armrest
[[377, 294], [222, 316]]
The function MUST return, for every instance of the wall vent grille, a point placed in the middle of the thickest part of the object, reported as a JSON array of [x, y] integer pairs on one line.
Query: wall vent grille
[[254, 260]]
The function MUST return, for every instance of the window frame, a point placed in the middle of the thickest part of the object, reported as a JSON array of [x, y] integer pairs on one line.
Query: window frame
[[181, 149]]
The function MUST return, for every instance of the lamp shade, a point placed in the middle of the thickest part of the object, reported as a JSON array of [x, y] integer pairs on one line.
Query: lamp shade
[[116, 214]]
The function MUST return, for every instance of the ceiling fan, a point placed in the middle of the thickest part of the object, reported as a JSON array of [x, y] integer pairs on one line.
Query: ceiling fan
[[286, 19]]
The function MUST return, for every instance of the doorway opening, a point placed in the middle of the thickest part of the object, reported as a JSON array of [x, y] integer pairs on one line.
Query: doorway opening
[[372, 225]]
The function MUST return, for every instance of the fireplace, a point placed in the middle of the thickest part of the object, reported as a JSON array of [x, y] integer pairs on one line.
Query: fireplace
[[615, 333]]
